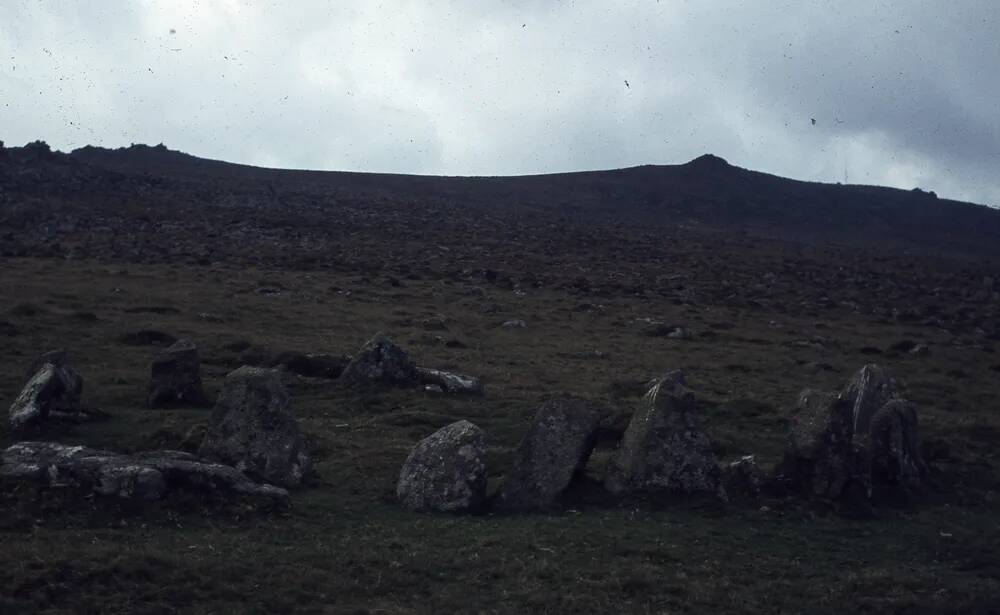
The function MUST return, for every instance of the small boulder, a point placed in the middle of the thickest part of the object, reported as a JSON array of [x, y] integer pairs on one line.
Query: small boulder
[[381, 361], [556, 449], [53, 387], [253, 429], [445, 471], [455, 384], [175, 377], [662, 451]]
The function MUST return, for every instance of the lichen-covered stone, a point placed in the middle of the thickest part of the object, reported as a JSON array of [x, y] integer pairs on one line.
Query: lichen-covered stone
[[381, 362], [555, 449], [445, 471], [143, 476], [253, 429], [662, 451], [841, 445], [53, 387], [175, 377]]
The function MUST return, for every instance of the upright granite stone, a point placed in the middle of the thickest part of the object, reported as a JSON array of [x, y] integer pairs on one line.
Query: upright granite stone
[[381, 362], [897, 465], [253, 429], [53, 386], [175, 377], [445, 471], [556, 448], [842, 445], [663, 453]]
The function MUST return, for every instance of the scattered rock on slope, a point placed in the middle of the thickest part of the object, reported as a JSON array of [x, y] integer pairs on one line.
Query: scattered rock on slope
[[663, 452], [445, 471], [253, 429], [175, 377], [143, 476], [556, 448], [53, 386]]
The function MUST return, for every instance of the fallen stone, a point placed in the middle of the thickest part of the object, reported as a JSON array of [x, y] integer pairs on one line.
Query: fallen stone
[[663, 452], [253, 429], [445, 471], [53, 387], [381, 361], [555, 449], [175, 377], [455, 384], [514, 324], [143, 476], [312, 365]]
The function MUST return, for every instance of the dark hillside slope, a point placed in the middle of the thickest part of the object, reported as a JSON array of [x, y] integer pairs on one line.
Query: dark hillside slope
[[706, 191]]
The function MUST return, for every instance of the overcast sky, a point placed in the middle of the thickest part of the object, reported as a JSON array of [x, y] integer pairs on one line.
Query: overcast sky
[[903, 93]]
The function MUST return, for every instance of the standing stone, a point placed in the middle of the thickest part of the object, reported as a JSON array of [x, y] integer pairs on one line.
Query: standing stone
[[555, 449], [381, 361], [894, 440], [840, 445], [253, 429], [52, 387], [175, 377], [445, 471], [663, 452]]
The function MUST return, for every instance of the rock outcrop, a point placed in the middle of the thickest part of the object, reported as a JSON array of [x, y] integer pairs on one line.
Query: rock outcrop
[[175, 377], [380, 361], [253, 429], [142, 476], [445, 471], [841, 446], [53, 387], [555, 449], [663, 453]]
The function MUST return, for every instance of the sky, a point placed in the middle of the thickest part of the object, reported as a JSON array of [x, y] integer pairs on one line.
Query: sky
[[903, 93]]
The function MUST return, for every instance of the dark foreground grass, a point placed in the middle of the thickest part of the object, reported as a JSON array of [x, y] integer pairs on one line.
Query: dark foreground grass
[[344, 548]]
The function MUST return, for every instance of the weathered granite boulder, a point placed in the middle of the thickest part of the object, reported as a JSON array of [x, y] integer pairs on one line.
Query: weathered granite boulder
[[143, 476], [445, 471], [455, 384], [842, 445], [175, 377], [663, 453], [381, 361], [897, 465], [555, 449], [253, 429], [53, 386]]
